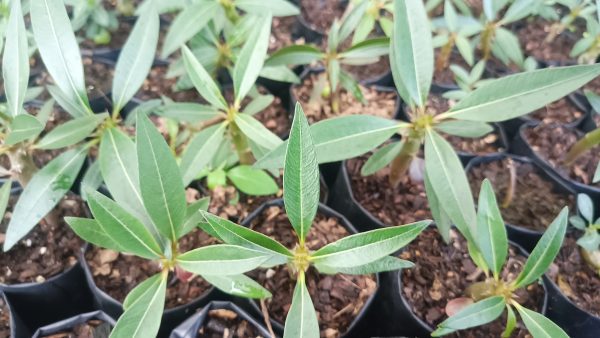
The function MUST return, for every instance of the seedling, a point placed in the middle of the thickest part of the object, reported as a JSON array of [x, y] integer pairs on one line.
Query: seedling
[[362, 253], [590, 240], [96, 21], [163, 196], [466, 81], [375, 13], [576, 9], [491, 297], [587, 49]]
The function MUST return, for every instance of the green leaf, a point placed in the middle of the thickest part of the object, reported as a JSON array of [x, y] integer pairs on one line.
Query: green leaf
[[491, 231], [251, 58], [43, 192], [586, 207], [15, 62], [540, 326], [412, 45], [276, 7], [294, 55], [255, 131], [91, 231], [70, 107], [187, 24], [252, 181], [352, 20], [238, 285], [200, 152], [59, 50], [441, 218], [4, 196], [449, 183], [482, 312], [465, 49], [474, 129], [221, 260], [367, 49], [71, 132], [509, 44], [259, 104], [367, 247], [143, 316], [521, 93], [301, 176], [518, 10], [134, 295], [545, 251], [204, 84], [123, 228], [279, 73], [387, 263], [364, 28], [193, 215], [161, 184], [511, 322], [597, 174], [188, 112], [594, 100], [352, 86], [23, 127], [136, 58], [381, 158], [301, 320]]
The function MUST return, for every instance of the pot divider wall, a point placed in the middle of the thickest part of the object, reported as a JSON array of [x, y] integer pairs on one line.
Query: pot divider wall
[[70, 323]]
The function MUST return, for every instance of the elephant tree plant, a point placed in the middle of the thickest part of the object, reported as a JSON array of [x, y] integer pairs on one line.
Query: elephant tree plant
[[589, 241]]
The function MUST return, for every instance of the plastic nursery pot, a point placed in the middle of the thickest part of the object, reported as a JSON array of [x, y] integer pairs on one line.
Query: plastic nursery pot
[[35, 305], [171, 317], [521, 146], [70, 323], [587, 123], [361, 326], [524, 237], [311, 33], [189, 328]]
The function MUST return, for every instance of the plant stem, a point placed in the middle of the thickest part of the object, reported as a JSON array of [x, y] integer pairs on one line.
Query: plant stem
[[241, 144], [401, 163], [590, 140], [487, 37], [512, 184], [444, 57], [22, 165], [230, 11]]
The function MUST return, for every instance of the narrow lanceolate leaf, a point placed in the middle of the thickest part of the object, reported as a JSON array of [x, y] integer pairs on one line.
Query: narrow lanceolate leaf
[[221, 260], [71, 132], [161, 184], [63, 100], [301, 320], [441, 218], [473, 315], [301, 176], [450, 183], [134, 295], [367, 49], [4, 196], [491, 232], [352, 20], [136, 58], [252, 181], [193, 215], [187, 24], [277, 7], [545, 250], [540, 326], [294, 55], [465, 128], [387, 263], [188, 112], [15, 62], [91, 231], [251, 58], [412, 44], [200, 152], [23, 127], [522, 93], [59, 50], [142, 317], [381, 158], [123, 228], [258, 133], [258, 104], [44, 191], [91, 181], [203, 82], [238, 285], [367, 247]]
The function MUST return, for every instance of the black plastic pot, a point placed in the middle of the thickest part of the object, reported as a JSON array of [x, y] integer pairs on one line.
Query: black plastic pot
[[189, 328], [310, 33], [524, 237], [362, 324], [70, 323]]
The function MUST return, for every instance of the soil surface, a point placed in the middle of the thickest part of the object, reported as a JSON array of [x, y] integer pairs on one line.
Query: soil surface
[[577, 280], [534, 41], [535, 202], [157, 84], [283, 32], [382, 104], [319, 14], [222, 323], [46, 251], [371, 71], [442, 74], [4, 319], [561, 112], [404, 204], [552, 143], [90, 329], [117, 274], [337, 298], [443, 272]]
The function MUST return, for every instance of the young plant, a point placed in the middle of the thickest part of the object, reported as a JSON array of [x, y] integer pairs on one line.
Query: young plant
[[590, 240], [587, 49], [490, 298], [163, 196], [374, 12], [96, 20], [466, 81], [362, 253], [576, 9]]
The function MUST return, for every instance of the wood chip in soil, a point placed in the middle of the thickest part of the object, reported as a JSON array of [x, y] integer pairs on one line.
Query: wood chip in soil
[[577, 279], [552, 143], [46, 251], [443, 272], [534, 42], [536, 201], [91, 329], [382, 104], [4, 319], [320, 14], [561, 112], [117, 274], [226, 323], [337, 298]]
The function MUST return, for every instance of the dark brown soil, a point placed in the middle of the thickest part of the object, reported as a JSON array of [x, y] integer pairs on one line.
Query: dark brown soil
[[382, 104], [282, 29], [561, 112], [4, 319], [593, 85], [443, 273], [319, 14], [157, 85], [577, 280], [118, 37], [404, 204], [337, 298], [46, 251], [552, 143], [371, 71], [533, 37], [225, 323], [535, 202], [445, 76], [117, 274], [90, 329]]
